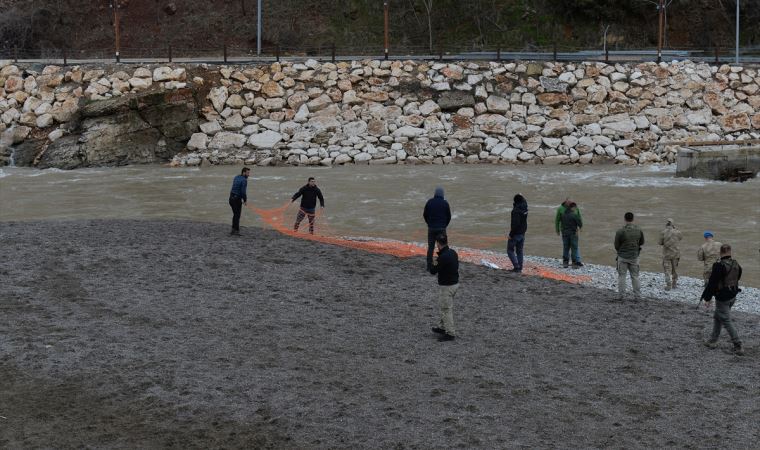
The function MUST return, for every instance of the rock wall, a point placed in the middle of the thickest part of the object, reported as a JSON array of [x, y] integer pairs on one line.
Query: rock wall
[[370, 111]]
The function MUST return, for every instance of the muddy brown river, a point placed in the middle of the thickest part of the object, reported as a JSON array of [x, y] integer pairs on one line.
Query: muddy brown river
[[387, 202]]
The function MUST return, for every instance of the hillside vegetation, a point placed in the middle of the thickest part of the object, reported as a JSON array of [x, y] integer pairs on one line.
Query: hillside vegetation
[[305, 26]]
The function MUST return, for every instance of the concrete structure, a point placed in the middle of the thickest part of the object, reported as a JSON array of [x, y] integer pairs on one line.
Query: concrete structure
[[718, 162]]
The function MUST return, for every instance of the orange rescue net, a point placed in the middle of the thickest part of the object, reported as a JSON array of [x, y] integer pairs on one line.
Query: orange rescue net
[[282, 219]]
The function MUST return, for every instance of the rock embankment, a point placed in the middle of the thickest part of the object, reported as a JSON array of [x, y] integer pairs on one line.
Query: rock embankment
[[370, 111]]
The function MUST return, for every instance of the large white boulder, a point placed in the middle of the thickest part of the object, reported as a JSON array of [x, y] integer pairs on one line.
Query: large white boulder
[[266, 139]]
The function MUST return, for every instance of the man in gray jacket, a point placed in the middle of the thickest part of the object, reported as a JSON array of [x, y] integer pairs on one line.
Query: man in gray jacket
[[628, 242]]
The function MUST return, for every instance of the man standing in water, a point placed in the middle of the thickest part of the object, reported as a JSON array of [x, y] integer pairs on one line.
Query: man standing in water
[[669, 239], [558, 220], [237, 198], [437, 215], [446, 265], [628, 242], [309, 194], [709, 254], [517, 228], [724, 285]]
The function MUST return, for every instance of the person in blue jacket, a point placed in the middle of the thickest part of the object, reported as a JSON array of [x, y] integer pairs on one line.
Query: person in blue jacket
[[237, 198], [437, 216]]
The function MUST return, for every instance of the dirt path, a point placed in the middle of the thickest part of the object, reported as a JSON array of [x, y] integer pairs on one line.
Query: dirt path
[[136, 334]]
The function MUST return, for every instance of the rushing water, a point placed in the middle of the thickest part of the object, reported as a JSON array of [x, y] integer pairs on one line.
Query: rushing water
[[387, 201]]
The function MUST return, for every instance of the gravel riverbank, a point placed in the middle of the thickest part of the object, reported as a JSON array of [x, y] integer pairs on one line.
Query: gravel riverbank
[[147, 334], [652, 284]]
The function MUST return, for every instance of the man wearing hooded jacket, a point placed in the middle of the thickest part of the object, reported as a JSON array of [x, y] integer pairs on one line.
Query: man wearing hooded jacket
[[518, 227], [437, 215]]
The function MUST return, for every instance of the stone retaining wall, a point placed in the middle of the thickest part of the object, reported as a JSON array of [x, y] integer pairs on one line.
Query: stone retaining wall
[[384, 112]]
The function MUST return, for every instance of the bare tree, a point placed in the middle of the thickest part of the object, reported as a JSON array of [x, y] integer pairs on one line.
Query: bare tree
[[429, 10]]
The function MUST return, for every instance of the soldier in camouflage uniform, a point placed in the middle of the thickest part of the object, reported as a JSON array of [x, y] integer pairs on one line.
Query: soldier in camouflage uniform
[[628, 242], [709, 254], [724, 285], [669, 239]]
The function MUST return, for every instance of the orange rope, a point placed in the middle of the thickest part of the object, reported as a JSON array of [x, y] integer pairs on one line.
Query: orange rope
[[276, 218]]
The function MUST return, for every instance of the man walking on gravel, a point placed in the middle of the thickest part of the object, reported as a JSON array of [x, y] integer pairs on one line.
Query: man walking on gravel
[[237, 198], [446, 265], [437, 215], [709, 254], [517, 228], [628, 242], [724, 285], [669, 239], [309, 194]]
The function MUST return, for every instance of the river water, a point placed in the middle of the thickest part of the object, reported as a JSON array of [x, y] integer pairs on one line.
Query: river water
[[387, 201]]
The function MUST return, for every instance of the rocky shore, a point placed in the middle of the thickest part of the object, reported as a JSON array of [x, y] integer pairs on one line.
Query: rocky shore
[[370, 111]]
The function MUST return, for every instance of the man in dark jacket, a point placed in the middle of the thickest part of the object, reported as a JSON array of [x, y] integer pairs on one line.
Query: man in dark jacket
[[446, 265], [517, 228], [724, 285], [628, 242], [309, 194], [437, 216], [237, 198], [558, 218], [571, 226]]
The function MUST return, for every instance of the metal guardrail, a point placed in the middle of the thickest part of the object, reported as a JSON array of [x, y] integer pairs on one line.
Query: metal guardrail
[[169, 53]]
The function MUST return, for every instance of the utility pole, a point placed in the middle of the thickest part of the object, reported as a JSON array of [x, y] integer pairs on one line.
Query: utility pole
[[385, 8], [115, 7], [661, 9], [737, 31], [258, 29]]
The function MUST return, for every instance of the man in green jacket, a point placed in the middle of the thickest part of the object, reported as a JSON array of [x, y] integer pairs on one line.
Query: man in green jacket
[[558, 221], [628, 242]]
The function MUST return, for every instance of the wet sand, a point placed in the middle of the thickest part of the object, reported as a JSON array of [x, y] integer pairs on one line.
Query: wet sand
[[138, 334]]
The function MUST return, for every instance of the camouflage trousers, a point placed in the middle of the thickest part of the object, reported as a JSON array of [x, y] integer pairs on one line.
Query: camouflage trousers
[[669, 266]]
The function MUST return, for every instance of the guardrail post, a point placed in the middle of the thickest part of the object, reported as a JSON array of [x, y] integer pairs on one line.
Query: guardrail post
[[15, 54], [277, 53], [606, 54], [554, 49], [440, 53], [554, 39], [717, 55], [170, 52], [65, 57], [498, 53], [333, 53], [225, 52]]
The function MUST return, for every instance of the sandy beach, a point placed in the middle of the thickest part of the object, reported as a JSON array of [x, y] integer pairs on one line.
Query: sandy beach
[[172, 334]]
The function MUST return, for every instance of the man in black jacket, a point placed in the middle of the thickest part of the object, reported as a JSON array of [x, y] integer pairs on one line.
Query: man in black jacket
[[309, 194], [446, 265], [437, 215], [517, 229], [724, 285]]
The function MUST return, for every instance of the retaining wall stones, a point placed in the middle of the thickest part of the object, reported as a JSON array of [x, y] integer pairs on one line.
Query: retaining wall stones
[[383, 112]]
